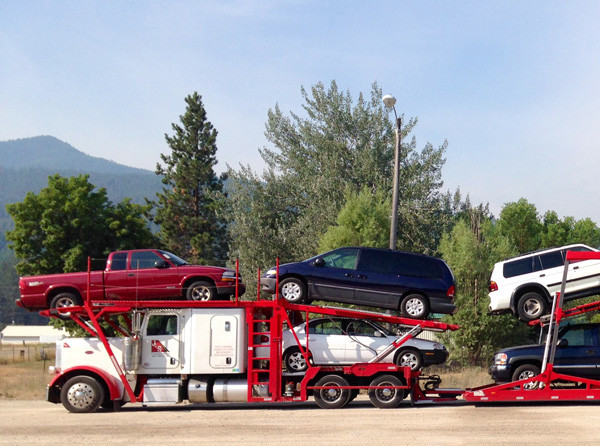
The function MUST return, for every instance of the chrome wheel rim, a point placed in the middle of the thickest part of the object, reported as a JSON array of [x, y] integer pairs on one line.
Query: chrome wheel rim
[[409, 360], [201, 293], [291, 291], [296, 362], [81, 395], [532, 308], [415, 307]]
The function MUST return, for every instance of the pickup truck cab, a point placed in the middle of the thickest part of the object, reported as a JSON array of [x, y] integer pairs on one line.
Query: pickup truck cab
[[130, 275]]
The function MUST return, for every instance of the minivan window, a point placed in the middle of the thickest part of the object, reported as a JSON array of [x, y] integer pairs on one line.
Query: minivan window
[[416, 266], [341, 258]]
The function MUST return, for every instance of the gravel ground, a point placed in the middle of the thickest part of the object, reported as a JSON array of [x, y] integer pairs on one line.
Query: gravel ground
[[43, 423]]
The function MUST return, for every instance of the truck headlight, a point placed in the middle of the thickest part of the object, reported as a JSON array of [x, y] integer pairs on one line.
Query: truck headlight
[[500, 359], [229, 276]]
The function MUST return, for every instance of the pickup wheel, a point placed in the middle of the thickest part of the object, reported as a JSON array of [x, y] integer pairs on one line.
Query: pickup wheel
[[81, 394], [527, 371], [201, 291], [66, 299]]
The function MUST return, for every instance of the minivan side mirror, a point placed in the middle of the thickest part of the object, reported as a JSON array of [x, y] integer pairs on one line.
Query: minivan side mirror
[[563, 343], [319, 262]]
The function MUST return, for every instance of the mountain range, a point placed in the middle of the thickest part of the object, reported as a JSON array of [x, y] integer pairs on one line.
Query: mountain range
[[25, 165]]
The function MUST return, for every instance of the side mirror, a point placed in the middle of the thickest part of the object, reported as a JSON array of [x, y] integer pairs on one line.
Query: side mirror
[[319, 262], [563, 343], [161, 264], [377, 334]]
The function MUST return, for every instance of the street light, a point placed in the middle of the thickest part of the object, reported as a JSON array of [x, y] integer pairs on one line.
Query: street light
[[390, 102]]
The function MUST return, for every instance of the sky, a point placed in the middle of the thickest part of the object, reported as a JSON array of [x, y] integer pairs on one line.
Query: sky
[[512, 85]]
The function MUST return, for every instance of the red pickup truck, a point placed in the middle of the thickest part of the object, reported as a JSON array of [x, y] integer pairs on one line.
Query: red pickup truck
[[131, 275]]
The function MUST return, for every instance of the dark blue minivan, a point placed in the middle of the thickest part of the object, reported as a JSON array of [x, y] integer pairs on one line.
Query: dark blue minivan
[[415, 284]]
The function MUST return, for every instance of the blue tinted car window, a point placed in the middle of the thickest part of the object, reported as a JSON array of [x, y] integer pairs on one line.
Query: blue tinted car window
[[341, 258]]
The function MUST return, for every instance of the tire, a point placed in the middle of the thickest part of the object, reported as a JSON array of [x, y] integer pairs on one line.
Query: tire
[[82, 394], [66, 299], [409, 358], [293, 290], [531, 306], [415, 306], [332, 398], [384, 397], [201, 291], [526, 371], [294, 360]]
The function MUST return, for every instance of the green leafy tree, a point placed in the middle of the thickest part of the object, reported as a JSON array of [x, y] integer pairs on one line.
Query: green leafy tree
[[471, 249], [363, 221], [519, 221], [56, 230], [190, 206], [337, 145]]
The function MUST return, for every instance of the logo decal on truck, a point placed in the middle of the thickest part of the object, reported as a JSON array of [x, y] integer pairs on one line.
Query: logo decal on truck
[[158, 347]]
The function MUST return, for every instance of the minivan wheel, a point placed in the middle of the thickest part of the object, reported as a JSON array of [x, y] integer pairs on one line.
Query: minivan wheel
[[293, 290], [531, 306], [415, 306]]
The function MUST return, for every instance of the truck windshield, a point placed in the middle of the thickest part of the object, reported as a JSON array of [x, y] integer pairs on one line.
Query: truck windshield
[[173, 258]]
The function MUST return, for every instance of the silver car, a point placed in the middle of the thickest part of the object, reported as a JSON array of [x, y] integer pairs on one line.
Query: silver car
[[338, 340]]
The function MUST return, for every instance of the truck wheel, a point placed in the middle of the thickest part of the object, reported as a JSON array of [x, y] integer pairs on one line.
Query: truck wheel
[[332, 398], [385, 397], [66, 299], [294, 360], [531, 306], [415, 306], [201, 291], [293, 290], [527, 371], [82, 394]]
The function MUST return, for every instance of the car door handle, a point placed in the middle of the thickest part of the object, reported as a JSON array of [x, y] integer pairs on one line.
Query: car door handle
[[349, 275], [131, 274], [575, 267], [362, 276], [542, 275]]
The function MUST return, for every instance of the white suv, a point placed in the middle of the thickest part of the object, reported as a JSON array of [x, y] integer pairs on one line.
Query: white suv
[[526, 284]]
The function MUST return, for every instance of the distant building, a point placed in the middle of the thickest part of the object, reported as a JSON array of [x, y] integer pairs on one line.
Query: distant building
[[31, 334]]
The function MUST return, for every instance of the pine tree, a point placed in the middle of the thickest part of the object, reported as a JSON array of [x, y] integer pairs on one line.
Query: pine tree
[[188, 209]]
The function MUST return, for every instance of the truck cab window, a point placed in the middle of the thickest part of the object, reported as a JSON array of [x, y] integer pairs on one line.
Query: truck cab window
[[162, 325], [144, 259]]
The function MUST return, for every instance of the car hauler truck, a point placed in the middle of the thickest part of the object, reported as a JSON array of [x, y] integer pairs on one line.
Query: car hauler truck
[[169, 352]]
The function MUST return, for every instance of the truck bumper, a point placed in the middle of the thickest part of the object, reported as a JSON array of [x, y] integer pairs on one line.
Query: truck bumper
[[500, 373], [230, 290]]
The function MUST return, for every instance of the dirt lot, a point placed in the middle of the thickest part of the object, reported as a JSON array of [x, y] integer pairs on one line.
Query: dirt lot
[[42, 423]]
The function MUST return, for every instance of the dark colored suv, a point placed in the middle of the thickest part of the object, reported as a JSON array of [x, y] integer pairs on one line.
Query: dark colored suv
[[577, 354], [415, 284]]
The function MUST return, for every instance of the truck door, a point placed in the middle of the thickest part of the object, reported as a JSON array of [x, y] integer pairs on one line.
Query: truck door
[[161, 342], [223, 341]]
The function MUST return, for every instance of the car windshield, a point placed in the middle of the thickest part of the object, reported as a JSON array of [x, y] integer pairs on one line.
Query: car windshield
[[173, 258]]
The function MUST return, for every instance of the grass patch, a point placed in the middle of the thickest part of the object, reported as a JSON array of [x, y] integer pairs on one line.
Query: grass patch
[[24, 380]]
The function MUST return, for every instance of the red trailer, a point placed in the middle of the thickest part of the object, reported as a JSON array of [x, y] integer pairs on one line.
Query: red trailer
[[219, 351], [550, 385]]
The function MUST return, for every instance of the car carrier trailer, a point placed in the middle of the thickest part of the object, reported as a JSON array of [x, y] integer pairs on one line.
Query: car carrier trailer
[[548, 385], [219, 351]]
